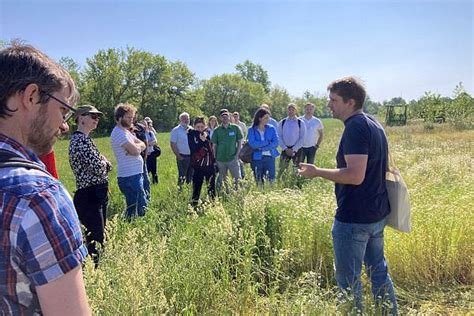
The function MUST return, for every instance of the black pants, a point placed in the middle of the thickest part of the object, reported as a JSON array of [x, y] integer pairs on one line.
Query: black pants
[[200, 173], [91, 205], [151, 166], [308, 153]]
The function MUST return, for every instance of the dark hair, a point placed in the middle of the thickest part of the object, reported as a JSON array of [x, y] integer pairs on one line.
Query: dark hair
[[22, 65], [199, 119], [349, 88], [261, 112], [123, 108]]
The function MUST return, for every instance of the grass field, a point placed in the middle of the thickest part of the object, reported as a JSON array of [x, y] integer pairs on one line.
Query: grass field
[[270, 251]]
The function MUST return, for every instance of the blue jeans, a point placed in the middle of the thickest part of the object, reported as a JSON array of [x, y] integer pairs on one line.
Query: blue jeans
[[357, 243], [132, 188], [146, 183], [264, 168]]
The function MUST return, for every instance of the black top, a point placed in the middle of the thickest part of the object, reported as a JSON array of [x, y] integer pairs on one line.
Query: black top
[[367, 202], [201, 151]]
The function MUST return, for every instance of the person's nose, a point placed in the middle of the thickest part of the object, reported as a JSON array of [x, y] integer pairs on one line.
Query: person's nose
[[64, 127]]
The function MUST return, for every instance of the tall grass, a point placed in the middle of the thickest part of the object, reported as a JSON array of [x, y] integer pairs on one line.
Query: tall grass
[[270, 251]]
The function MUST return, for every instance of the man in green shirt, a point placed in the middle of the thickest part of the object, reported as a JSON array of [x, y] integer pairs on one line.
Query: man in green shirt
[[227, 143]]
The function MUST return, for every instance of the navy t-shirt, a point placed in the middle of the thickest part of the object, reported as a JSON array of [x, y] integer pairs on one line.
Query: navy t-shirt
[[367, 202]]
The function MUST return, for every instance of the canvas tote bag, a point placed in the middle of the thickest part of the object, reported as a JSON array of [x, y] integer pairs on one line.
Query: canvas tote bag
[[400, 214]]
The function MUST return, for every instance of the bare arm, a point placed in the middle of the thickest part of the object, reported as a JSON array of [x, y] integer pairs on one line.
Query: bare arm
[[134, 149], [321, 136], [354, 173], [64, 296], [175, 150]]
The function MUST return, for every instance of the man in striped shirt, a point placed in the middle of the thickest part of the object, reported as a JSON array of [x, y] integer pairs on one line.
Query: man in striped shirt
[[41, 248]]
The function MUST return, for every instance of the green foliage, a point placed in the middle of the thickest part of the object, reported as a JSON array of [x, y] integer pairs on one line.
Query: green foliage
[[320, 102], [278, 99], [232, 92], [150, 82], [254, 73]]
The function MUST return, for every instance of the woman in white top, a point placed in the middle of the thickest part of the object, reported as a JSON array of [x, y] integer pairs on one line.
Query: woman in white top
[[212, 125]]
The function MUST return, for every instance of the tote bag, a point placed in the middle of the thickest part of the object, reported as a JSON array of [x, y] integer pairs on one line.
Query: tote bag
[[400, 210]]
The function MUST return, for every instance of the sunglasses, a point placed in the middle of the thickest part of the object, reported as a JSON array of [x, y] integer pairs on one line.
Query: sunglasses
[[93, 116], [71, 111]]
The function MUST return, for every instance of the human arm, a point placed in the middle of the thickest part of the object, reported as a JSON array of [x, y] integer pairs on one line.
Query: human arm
[[174, 148], [280, 135], [320, 138], [254, 141], [353, 173], [273, 142], [301, 135], [65, 295]]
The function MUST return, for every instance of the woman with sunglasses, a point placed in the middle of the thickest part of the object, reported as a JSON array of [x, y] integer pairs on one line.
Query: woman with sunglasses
[[90, 169]]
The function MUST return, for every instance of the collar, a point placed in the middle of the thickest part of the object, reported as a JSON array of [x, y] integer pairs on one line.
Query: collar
[[10, 144]]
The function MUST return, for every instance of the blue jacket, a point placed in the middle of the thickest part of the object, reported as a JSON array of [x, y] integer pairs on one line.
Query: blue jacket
[[270, 142]]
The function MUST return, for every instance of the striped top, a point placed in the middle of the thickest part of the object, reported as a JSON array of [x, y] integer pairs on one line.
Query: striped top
[[40, 234], [127, 165]]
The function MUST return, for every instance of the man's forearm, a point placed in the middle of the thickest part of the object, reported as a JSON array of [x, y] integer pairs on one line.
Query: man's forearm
[[341, 175]]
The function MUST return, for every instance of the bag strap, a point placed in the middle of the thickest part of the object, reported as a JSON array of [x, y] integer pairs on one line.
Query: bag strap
[[299, 128], [10, 159]]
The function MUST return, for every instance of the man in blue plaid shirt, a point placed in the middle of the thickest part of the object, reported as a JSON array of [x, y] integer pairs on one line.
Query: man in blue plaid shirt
[[41, 247]]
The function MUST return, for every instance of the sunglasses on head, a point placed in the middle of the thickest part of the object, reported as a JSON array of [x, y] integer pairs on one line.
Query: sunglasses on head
[[93, 116]]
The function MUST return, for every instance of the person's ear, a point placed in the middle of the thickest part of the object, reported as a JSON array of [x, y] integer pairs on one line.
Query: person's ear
[[31, 96]]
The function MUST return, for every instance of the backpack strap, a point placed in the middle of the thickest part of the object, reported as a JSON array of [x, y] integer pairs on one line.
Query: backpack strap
[[9, 159], [283, 124]]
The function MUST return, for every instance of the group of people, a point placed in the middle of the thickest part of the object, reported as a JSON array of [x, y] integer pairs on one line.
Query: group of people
[[205, 150], [42, 248]]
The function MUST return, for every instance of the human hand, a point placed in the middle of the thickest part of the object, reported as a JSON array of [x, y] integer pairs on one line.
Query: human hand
[[307, 170]]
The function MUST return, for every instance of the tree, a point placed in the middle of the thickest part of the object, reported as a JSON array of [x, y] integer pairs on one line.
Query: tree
[[73, 68], [254, 73], [278, 99], [231, 91], [116, 75]]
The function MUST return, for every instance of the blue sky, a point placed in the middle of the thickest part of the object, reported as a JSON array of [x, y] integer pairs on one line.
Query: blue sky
[[399, 48]]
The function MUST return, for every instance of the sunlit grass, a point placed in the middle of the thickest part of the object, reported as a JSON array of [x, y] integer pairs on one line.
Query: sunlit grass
[[270, 251]]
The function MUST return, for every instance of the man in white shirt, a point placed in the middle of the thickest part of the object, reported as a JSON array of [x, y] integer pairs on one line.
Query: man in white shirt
[[127, 148], [291, 134], [179, 145], [313, 136]]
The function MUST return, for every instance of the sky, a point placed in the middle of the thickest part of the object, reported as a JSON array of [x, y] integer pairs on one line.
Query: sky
[[398, 48]]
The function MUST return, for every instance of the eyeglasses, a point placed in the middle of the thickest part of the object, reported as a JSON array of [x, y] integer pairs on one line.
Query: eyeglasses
[[71, 111], [93, 116]]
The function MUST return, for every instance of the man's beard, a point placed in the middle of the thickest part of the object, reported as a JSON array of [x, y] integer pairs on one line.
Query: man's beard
[[38, 140], [125, 123]]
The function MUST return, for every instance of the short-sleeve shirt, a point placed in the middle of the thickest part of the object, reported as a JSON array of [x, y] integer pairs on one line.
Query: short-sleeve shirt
[[313, 125], [368, 202], [40, 234], [127, 165], [179, 136], [226, 142]]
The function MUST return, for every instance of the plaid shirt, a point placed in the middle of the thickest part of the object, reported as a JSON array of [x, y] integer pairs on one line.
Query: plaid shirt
[[40, 234]]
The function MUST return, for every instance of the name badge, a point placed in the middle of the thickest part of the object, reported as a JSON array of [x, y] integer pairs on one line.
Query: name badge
[[232, 133]]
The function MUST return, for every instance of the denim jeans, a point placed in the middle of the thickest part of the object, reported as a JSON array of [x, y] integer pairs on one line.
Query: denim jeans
[[264, 168], [132, 188], [357, 243], [146, 183]]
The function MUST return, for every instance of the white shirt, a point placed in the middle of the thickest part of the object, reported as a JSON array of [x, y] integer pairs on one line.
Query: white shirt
[[179, 136], [313, 125], [127, 165]]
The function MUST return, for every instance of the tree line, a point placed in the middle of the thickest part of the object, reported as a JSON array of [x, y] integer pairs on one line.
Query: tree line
[[161, 89]]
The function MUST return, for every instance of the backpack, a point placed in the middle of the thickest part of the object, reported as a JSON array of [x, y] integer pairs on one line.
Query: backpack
[[9, 159]]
